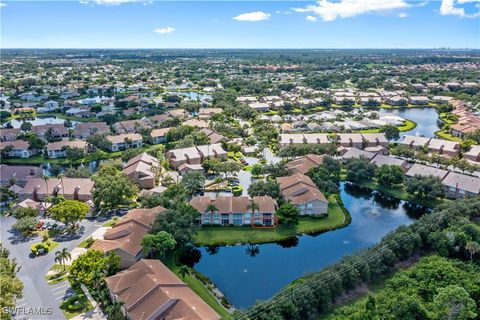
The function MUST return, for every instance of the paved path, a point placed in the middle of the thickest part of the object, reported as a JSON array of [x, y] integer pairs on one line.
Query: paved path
[[37, 293], [270, 157]]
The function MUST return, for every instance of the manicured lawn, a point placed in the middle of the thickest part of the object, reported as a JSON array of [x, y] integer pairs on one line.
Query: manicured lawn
[[60, 274], [72, 308], [233, 235], [447, 136], [407, 126]]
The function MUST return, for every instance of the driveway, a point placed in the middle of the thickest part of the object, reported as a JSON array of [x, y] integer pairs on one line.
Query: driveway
[[245, 180], [270, 157], [37, 293]]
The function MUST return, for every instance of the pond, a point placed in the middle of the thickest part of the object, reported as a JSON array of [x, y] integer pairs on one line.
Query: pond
[[246, 273], [52, 170], [193, 95], [36, 121], [425, 118]]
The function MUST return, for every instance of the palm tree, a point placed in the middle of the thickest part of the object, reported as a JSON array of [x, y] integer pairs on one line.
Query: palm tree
[[115, 310], [253, 206], [62, 256], [473, 248], [183, 271], [46, 178], [60, 176], [211, 208]]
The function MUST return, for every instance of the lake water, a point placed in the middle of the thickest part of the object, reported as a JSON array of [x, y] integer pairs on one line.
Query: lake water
[[245, 275], [426, 119], [39, 121]]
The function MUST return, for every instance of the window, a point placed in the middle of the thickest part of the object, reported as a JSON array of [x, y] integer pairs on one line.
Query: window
[[310, 205]]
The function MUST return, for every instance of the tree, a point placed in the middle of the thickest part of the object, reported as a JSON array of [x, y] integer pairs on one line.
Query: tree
[[262, 188], [99, 141], [46, 178], [160, 242], [288, 213], [112, 189], [74, 154], [473, 248], [359, 170], [454, 302], [252, 205], [193, 182], [429, 187], [391, 132], [183, 271], [69, 211], [212, 209], [114, 310], [26, 225], [131, 153], [388, 175], [10, 285], [257, 169], [22, 212], [80, 172], [26, 126], [179, 222], [83, 269], [62, 256]]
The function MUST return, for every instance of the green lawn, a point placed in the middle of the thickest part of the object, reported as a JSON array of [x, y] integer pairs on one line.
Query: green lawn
[[71, 309], [233, 235], [447, 136], [407, 126]]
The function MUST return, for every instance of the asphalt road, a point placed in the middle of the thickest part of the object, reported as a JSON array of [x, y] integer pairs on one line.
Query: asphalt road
[[37, 293]]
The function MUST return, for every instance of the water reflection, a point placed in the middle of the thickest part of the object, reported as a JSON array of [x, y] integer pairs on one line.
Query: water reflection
[[244, 280]]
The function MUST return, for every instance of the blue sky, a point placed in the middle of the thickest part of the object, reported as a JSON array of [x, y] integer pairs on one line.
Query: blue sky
[[246, 24]]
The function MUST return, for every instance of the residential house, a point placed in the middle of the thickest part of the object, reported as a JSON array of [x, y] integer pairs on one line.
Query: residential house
[[355, 153], [300, 190], [419, 100], [246, 100], [444, 147], [206, 113], [380, 160], [59, 149], [425, 171], [259, 106], [143, 169], [375, 139], [125, 237], [415, 142], [125, 141], [58, 131], [235, 211], [83, 130], [130, 126], [461, 185], [304, 164], [16, 149], [39, 189], [473, 154], [182, 114], [159, 135], [214, 137], [194, 155], [18, 174], [196, 123], [9, 134], [350, 140], [287, 139], [149, 290]]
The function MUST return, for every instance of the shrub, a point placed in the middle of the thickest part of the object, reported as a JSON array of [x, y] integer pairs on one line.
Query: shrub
[[37, 248], [237, 191]]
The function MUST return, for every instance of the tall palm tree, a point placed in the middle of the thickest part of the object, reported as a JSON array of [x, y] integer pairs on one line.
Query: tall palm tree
[[253, 206], [473, 248], [114, 310], [46, 178], [183, 271], [62, 256], [60, 176], [211, 208]]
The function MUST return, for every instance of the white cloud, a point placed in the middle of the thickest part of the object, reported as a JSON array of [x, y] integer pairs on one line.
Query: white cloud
[[311, 18], [253, 16], [164, 30], [402, 15], [3, 5], [114, 2], [449, 8], [329, 10], [422, 4]]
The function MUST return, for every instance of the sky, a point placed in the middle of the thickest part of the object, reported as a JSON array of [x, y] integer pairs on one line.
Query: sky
[[240, 24]]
